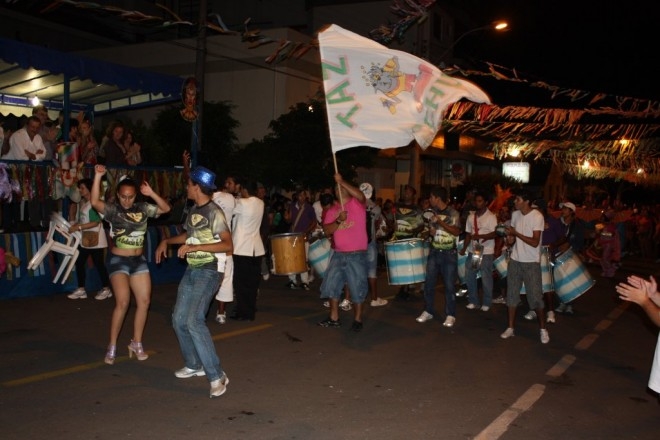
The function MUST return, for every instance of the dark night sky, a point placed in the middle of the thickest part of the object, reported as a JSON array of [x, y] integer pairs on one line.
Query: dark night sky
[[599, 46]]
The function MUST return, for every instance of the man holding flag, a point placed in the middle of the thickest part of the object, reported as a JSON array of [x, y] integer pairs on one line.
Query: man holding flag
[[346, 221]]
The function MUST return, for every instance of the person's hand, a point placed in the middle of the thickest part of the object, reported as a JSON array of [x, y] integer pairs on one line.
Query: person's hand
[[100, 169], [338, 178], [145, 189], [161, 252], [634, 290], [186, 158]]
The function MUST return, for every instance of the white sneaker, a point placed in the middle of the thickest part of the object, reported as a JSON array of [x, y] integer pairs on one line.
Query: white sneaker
[[345, 305], [425, 316], [221, 318], [449, 321], [508, 333], [186, 372], [499, 300], [551, 317], [218, 387], [531, 315], [266, 276], [79, 293], [104, 293], [326, 304], [545, 337], [378, 302], [485, 308], [471, 306]]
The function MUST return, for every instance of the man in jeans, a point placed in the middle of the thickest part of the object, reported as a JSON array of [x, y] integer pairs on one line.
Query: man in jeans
[[346, 221], [444, 229], [207, 235]]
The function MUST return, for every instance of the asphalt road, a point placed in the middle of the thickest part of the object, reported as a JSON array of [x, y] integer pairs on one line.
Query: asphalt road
[[290, 379]]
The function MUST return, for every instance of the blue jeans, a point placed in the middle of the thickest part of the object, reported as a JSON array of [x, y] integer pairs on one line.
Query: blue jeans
[[486, 270], [443, 263], [193, 298], [346, 268]]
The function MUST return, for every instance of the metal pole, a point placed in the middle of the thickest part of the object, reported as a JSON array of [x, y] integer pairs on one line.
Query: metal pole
[[200, 62]]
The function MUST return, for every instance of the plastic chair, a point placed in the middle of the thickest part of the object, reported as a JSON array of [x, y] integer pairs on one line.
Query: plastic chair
[[67, 245]]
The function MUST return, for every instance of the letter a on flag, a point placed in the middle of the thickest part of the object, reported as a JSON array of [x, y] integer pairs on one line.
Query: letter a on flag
[[383, 98]]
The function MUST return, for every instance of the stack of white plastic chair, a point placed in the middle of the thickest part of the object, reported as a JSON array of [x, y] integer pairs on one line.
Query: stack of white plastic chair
[[59, 240]]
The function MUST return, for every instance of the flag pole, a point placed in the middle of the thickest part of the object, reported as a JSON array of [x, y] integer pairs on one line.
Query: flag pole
[[341, 199]]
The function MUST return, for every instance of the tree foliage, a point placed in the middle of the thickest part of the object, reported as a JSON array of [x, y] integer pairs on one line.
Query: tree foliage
[[172, 135], [297, 152]]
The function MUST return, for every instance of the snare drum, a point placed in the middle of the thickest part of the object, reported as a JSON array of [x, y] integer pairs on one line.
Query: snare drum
[[319, 255], [501, 264], [406, 261], [572, 278], [288, 253], [462, 261]]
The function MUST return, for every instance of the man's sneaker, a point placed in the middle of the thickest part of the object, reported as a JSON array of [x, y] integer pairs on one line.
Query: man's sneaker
[[545, 337], [218, 387], [499, 300], [551, 317], [357, 326], [461, 292], [569, 309], [425, 316], [291, 285], [449, 321], [326, 304], [471, 306], [345, 305], [305, 286], [330, 323], [186, 372], [378, 302], [531, 315], [104, 293], [508, 333], [265, 276], [79, 293], [561, 308], [485, 308], [221, 318]]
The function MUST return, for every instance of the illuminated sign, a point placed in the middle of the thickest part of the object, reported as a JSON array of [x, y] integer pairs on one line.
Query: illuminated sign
[[516, 170]]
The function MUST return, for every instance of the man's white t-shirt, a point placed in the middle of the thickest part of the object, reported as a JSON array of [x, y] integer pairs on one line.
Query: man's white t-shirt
[[526, 225]]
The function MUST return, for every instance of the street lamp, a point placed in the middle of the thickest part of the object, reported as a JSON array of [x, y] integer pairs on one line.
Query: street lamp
[[494, 26]]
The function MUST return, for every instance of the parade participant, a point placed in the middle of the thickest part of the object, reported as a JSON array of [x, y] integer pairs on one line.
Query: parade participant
[[524, 234], [127, 265], [480, 237], [374, 225], [346, 221], [444, 228], [303, 220], [408, 224], [572, 238], [206, 237]]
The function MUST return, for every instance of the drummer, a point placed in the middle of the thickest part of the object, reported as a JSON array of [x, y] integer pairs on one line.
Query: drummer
[[480, 231], [552, 234], [444, 228], [572, 238], [409, 224]]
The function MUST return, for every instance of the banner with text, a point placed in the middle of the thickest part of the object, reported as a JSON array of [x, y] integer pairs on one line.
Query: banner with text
[[383, 98]]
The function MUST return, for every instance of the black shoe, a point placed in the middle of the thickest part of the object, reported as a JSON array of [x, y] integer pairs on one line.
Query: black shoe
[[330, 323], [403, 295], [357, 326], [291, 285]]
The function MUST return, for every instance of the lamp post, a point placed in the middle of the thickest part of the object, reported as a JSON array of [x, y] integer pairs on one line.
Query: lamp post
[[497, 26]]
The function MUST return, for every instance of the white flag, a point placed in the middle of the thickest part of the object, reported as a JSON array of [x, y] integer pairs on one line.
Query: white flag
[[383, 98]]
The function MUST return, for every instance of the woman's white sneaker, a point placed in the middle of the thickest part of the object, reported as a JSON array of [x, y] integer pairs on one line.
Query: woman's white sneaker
[[79, 293]]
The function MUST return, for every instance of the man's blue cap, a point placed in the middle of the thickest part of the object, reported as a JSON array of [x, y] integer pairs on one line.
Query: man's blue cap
[[203, 177]]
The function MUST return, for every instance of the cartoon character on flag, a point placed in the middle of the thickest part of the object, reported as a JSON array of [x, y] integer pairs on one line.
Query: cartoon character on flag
[[383, 98], [390, 81]]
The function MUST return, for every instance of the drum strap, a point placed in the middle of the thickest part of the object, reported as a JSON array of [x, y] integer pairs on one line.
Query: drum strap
[[295, 223], [476, 228]]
